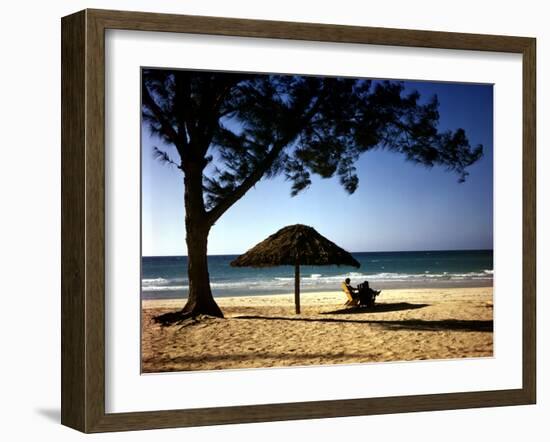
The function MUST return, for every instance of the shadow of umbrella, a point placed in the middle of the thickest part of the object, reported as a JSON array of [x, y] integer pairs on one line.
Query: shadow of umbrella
[[295, 245]]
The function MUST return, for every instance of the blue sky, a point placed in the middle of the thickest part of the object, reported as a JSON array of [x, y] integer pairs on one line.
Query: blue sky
[[398, 205]]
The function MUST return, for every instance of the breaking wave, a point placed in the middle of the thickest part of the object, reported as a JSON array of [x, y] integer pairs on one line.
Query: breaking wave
[[316, 280]]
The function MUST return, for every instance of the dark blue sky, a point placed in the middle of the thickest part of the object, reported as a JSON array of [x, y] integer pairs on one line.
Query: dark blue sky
[[398, 205]]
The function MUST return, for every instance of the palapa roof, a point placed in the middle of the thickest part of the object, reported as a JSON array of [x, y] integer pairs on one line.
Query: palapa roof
[[292, 242]]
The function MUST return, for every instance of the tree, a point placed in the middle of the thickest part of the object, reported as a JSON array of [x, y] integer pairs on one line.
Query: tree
[[232, 130]]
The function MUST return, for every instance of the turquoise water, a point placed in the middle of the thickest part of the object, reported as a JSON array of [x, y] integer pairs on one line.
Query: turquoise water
[[166, 276]]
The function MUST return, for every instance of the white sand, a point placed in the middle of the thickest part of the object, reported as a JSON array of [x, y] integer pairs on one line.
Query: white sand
[[264, 331]]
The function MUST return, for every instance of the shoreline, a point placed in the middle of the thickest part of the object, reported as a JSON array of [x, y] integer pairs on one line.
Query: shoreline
[[385, 286], [263, 331], [314, 297]]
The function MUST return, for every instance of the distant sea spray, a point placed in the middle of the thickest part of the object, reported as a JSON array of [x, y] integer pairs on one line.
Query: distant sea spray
[[166, 276]]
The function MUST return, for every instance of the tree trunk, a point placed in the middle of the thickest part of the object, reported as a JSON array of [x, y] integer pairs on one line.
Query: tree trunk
[[197, 227], [200, 299]]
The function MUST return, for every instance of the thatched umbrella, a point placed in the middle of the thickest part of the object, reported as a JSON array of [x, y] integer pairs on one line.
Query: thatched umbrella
[[295, 245]]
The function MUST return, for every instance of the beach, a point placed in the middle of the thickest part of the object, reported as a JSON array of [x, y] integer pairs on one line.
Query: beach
[[264, 331]]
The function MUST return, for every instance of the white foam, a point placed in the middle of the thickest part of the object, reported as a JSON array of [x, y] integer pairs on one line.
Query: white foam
[[164, 288], [153, 281], [318, 280]]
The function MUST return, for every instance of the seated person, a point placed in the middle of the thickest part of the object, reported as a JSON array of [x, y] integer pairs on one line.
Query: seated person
[[351, 292], [367, 296]]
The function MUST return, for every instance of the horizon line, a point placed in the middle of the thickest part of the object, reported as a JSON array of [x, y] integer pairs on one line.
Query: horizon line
[[374, 251]]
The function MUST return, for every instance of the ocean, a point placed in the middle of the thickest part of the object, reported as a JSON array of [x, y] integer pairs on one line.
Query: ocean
[[165, 277]]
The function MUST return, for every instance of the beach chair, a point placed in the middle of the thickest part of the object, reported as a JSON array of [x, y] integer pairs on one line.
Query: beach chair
[[352, 301]]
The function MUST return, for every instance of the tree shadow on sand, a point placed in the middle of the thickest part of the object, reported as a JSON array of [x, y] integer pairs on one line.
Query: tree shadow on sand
[[378, 308], [405, 324]]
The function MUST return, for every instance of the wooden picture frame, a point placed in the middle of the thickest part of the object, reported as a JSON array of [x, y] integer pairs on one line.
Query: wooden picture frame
[[83, 220]]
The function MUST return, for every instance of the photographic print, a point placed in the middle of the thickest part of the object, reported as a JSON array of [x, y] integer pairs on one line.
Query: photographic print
[[298, 220]]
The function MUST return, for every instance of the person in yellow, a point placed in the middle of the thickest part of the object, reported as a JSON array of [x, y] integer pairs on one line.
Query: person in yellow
[[351, 292]]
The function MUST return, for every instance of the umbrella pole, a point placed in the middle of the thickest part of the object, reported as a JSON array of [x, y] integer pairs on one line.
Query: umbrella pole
[[297, 287]]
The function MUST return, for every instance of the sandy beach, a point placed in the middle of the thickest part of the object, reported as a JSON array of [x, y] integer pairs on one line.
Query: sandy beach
[[264, 331]]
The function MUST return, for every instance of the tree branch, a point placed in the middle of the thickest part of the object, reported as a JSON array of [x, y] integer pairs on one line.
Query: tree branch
[[216, 212], [183, 107], [159, 115], [211, 114]]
